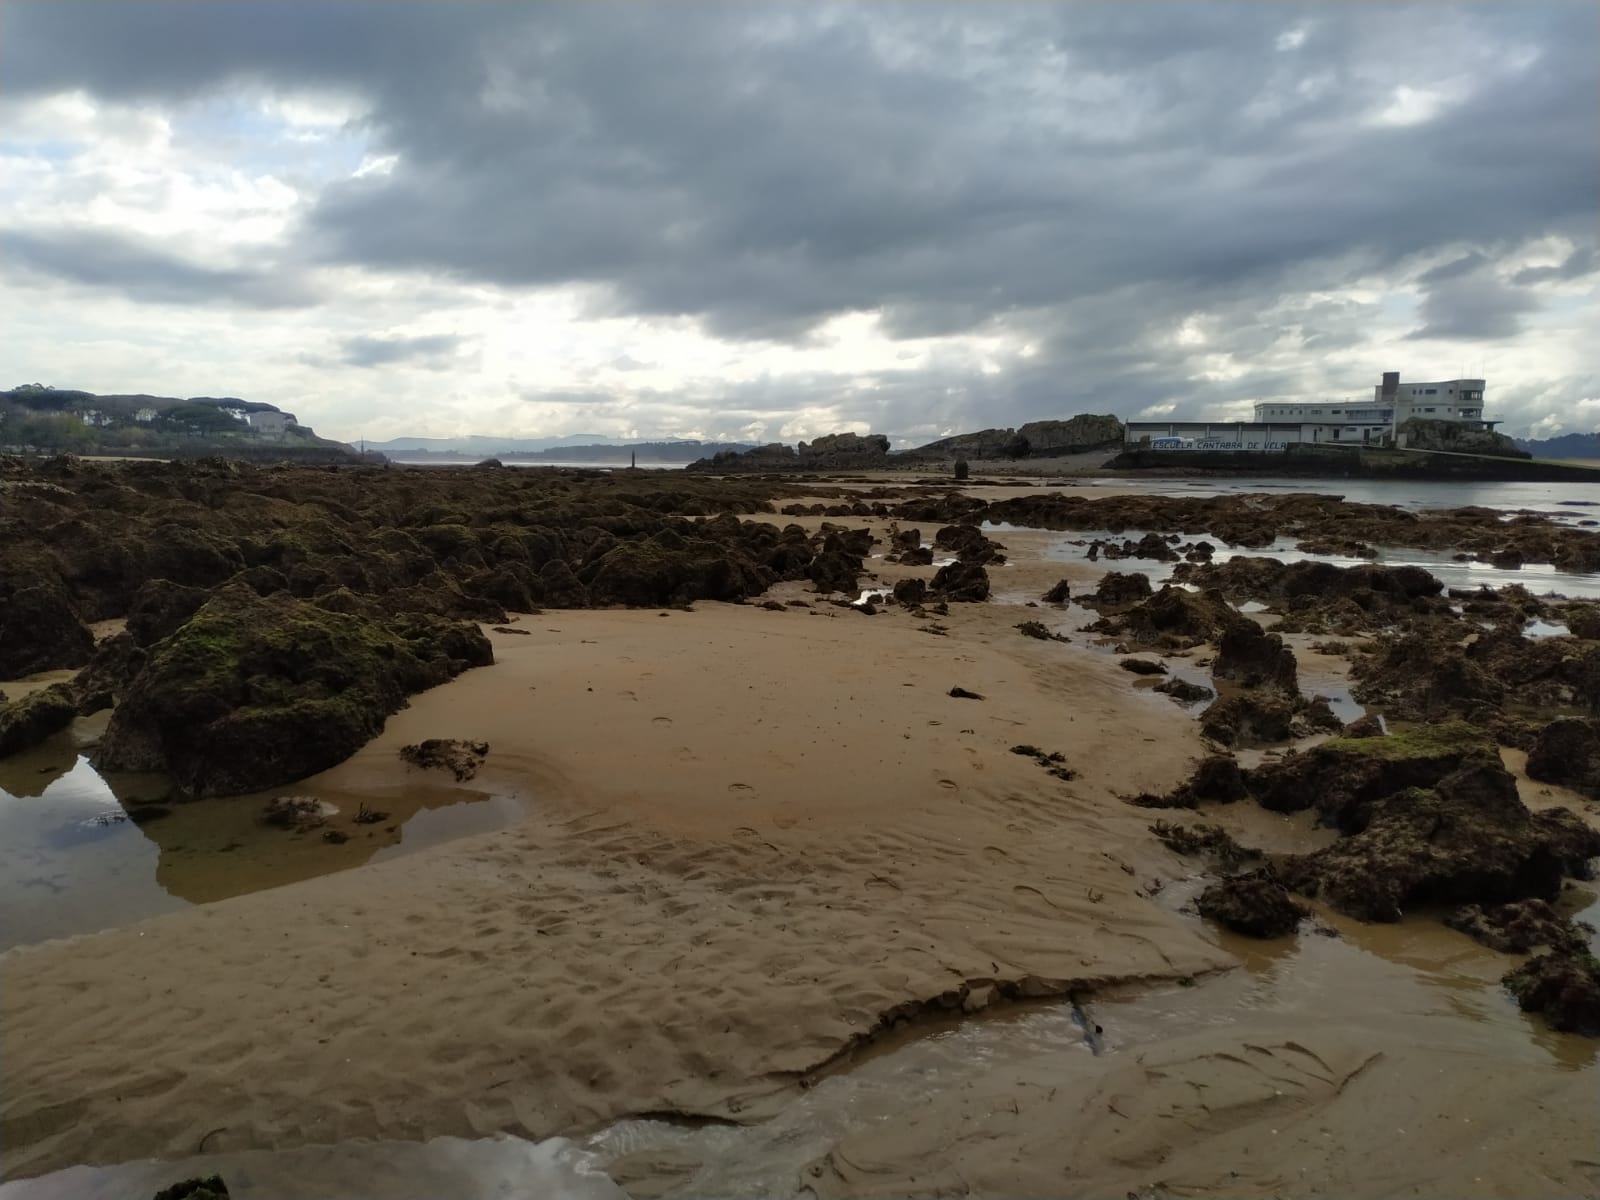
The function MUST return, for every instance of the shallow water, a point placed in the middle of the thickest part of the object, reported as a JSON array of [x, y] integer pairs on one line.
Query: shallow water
[[71, 860], [1569, 503], [1539, 578]]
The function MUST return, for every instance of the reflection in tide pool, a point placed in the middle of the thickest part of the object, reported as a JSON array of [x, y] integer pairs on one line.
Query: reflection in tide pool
[[81, 851]]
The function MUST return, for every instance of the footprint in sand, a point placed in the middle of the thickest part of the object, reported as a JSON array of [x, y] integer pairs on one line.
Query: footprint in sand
[[948, 785], [741, 789], [661, 720]]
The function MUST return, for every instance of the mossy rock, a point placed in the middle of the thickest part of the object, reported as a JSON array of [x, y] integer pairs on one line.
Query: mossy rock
[[1468, 840], [26, 722], [1342, 777], [671, 569], [256, 691], [39, 628]]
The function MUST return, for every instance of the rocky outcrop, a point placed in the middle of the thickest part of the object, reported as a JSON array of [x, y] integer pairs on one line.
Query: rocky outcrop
[[1563, 985], [1516, 928], [1341, 779], [39, 625], [256, 691], [1256, 905], [961, 581], [26, 722], [835, 452], [1172, 619], [1119, 589], [1251, 657], [1567, 752], [1036, 439], [1250, 720], [1468, 839], [1421, 434]]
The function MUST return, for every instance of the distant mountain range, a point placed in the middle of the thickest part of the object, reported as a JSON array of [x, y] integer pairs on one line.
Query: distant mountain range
[[1568, 445]]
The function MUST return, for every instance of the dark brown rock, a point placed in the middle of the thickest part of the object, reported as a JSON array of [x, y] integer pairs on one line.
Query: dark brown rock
[[1564, 985], [1567, 752], [1467, 840], [960, 581], [1256, 905]]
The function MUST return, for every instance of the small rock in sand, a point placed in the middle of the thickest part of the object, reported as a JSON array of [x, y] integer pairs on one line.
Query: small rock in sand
[[461, 758]]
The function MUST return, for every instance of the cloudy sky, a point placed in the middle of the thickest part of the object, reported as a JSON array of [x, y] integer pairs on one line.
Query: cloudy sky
[[773, 220]]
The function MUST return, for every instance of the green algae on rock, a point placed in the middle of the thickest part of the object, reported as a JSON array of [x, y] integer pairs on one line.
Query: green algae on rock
[[1467, 839], [257, 691]]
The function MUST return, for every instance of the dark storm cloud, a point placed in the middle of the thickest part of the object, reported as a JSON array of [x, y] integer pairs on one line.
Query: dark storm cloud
[[98, 258], [372, 351], [1094, 172]]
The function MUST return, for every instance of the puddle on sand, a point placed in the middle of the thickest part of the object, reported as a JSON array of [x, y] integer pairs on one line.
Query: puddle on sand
[[72, 861]]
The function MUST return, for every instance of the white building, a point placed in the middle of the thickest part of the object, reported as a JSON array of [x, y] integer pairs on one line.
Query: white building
[[1279, 424], [270, 423]]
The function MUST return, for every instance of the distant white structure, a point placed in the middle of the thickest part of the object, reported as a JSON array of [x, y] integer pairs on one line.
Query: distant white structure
[[1280, 424], [145, 415], [271, 424]]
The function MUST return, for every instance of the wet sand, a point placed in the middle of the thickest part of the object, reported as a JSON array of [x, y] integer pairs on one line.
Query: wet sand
[[758, 840], [757, 836]]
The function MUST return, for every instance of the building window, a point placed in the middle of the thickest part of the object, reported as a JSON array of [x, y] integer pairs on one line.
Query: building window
[[1427, 410], [1431, 392]]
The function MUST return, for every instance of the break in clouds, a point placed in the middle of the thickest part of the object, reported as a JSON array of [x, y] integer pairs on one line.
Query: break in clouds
[[778, 220]]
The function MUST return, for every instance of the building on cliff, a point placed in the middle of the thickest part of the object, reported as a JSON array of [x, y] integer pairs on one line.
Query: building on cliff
[[1280, 424]]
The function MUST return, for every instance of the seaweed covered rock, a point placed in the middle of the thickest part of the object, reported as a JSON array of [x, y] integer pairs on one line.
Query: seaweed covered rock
[[210, 1187], [961, 581], [834, 571], [1216, 780], [1256, 905], [1120, 588], [1563, 985], [461, 758], [1583, 621], [1060, 592], [559, 587], [1567, 752], [255, 691], [39, 627], [159, 607], [1211, 842], [116, 662], [1250, 720], [1251, 657], [26, 722], [1341, 778], [1468, 839], [910, 592], [1515, 928], [1177, 619], [648, 574], [1184, 692]]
